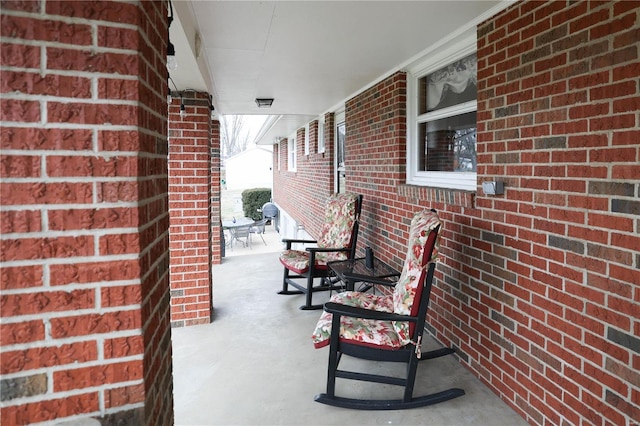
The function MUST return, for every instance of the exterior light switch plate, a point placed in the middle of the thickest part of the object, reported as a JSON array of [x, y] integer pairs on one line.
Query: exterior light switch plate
[[493, 188]]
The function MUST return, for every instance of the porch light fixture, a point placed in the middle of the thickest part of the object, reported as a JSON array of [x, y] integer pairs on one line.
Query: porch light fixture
[[172, 64], [264, 102]]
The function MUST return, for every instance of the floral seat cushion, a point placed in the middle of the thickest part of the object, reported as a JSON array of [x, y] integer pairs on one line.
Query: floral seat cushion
[[298, 261], [357, 329], [390, 334], [339, 220]]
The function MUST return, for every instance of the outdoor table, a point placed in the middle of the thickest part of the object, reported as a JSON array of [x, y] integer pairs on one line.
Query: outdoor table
[[355, 270], [233, 224]]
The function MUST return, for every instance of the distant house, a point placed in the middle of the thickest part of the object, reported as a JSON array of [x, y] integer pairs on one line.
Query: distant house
[[252, 168]]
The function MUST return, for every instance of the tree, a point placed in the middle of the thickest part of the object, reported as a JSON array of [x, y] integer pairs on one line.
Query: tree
[[234, 136]]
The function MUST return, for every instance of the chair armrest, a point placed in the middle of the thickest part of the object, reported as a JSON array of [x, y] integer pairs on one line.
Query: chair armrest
[[325, 249], [353, 311], [294, 240], [289, 241]]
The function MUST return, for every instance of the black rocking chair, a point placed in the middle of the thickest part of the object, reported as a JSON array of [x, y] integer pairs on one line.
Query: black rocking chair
[[337, 242], [386, 328]]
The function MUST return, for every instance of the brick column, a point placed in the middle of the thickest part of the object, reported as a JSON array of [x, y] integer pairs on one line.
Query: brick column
[[190, 179], [84, 309]]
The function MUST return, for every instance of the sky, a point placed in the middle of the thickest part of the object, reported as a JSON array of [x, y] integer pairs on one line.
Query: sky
[[254, 124]]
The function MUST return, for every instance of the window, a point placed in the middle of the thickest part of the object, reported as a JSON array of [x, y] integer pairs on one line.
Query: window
[[321, 134], [306, 139], [291, 151], [340, 169], [442, 121]]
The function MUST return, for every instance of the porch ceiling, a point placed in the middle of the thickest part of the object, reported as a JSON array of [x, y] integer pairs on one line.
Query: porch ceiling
[[310, 56]]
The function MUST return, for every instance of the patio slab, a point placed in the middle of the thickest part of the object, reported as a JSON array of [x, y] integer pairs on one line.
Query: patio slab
[[255, 364], [272, 243]]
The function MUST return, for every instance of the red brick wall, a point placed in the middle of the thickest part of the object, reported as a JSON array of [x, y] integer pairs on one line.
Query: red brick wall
[[85, 292], [375, 164], [558, 256], [302, 193], [537, 288], [190, 188]]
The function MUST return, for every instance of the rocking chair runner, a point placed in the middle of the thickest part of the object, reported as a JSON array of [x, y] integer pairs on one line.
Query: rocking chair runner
[[337, 242], [386, 328]]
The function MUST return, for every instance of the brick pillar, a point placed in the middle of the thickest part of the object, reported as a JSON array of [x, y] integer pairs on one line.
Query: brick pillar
[[190, 179], [84, 309]]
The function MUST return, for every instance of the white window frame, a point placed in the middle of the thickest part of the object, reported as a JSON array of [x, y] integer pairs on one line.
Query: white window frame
[[306, 139], [291, 153], [431, 62], [278, 154], [340, 117], [321, 147]]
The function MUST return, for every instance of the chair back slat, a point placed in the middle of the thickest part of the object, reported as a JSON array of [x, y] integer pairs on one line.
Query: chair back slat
[[242, 231], [258, 226]]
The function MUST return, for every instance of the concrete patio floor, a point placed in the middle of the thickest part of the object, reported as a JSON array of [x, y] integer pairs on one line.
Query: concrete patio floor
[[272, 243], [255, 363]]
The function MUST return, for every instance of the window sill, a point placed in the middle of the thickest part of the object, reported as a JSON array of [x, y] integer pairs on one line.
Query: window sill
[[455, 197]]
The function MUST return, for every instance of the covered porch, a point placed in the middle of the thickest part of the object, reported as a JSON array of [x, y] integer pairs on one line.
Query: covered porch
[[259, 347], [111, 204]]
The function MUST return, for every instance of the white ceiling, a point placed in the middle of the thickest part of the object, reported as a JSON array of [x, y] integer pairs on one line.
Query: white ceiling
[[310, 56]]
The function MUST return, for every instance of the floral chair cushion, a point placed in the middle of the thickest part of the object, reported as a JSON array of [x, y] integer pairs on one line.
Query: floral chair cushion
[[298, 261], [405, 290], [339, 220], [391, 334], [362, 330]]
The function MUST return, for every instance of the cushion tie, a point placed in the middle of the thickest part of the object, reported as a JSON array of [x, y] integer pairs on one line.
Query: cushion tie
[[418, 345]]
